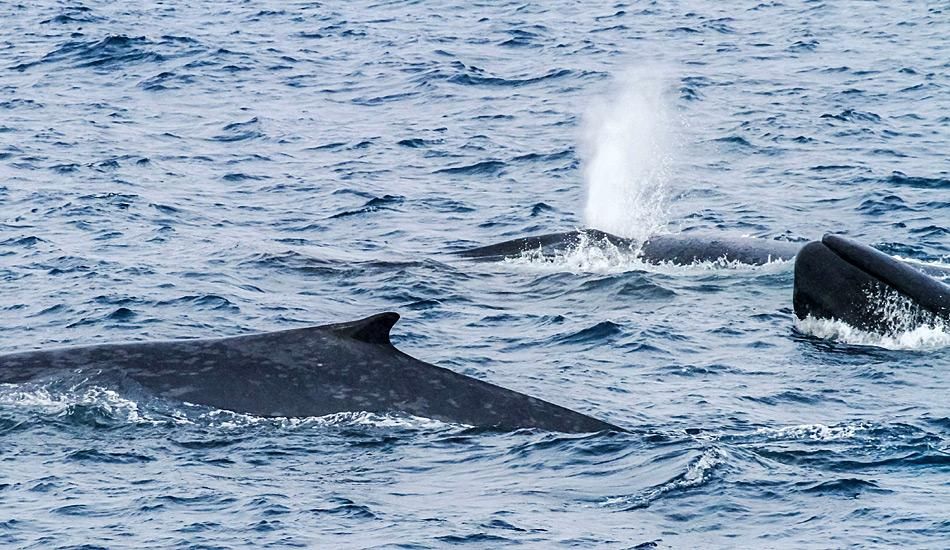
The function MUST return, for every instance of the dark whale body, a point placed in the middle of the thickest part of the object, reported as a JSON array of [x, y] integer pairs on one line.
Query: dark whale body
[[311, 371], [681, 249], [837, 278]]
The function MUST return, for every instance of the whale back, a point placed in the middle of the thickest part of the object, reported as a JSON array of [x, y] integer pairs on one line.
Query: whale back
[[314, 371], [679, 249], [548, 245], [689, 248]]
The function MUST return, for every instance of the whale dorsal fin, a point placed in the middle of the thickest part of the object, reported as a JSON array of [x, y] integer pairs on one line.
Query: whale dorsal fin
[[371, 330]]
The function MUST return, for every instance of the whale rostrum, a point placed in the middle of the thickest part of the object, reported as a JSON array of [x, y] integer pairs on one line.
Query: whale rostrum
[[838, 278]]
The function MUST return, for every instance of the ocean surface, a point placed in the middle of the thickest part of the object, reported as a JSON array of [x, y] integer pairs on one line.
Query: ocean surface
[[203, 169]]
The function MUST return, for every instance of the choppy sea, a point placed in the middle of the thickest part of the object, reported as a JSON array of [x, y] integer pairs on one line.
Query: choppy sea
[[202, 169]]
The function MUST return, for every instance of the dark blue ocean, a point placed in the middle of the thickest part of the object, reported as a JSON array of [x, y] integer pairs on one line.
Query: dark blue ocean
[[203, 169]]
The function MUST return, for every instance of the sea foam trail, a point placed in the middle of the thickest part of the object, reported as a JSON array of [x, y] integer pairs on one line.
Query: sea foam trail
[[627, 146]]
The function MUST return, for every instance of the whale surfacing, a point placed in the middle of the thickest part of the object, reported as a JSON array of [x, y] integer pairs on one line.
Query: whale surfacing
[[679, 249], [314, 371], [838, 278]]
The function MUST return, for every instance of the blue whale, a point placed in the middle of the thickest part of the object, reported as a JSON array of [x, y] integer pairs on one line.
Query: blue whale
[[680, 249], [838, 278], [312, 371], [835, 278]]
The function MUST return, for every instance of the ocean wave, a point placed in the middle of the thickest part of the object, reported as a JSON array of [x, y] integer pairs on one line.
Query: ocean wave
[[487, 167], [108, 53], [699, 471], [375, 204], [241, 131], [468, 79], [604, 331]]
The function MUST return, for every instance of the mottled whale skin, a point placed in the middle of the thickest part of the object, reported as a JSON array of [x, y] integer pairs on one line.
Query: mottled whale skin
[[680, 249], [301, 372], [838, 278]]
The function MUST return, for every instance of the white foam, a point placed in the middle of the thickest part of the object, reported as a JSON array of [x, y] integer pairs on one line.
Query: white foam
[[697, 473], [592, 255], [229, 420], [919, 338], [811, 432], [61, 403], [627, 145], [588, 256]]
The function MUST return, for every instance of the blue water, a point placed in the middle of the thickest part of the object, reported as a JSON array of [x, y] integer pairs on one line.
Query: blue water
[[208, 168]]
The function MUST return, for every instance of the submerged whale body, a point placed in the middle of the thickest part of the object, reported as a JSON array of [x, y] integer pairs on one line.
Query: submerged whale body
[[837, 278], [681, 249], [311, 371]]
